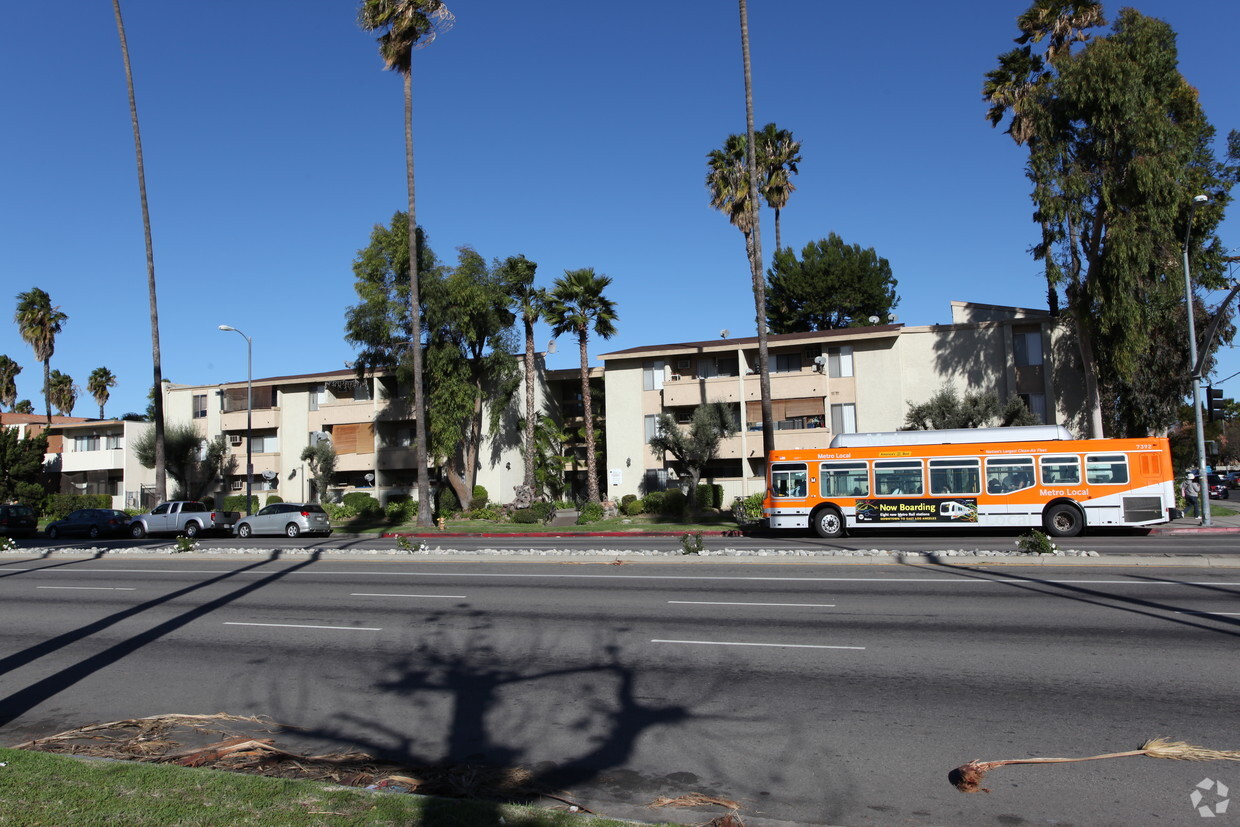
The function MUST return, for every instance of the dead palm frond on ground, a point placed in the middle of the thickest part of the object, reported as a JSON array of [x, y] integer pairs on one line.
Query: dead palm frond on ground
[[968, 777]]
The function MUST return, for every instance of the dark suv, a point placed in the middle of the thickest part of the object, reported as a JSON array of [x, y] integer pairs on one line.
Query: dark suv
[[17, 521]]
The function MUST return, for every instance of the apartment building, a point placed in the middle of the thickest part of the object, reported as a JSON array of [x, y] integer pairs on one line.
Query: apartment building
[[369, 423], [824, 383]]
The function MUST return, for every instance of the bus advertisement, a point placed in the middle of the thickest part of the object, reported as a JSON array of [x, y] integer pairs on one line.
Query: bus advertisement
[[1032, 477]]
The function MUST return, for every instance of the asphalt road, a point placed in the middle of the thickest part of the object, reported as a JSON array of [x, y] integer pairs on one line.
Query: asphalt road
[[813, 694], [1104, 542]]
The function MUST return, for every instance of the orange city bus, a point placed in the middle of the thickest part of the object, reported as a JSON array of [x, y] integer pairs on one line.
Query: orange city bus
[[1036, 476]]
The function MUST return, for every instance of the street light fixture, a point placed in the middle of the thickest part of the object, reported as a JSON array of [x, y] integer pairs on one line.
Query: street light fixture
[[249, 415], [1204, 494]]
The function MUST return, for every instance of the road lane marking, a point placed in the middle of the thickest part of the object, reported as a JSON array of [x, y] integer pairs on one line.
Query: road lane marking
[[777, 645], [722, 603], [1211, 614], [304, 626], [90, 588], [381, 594]]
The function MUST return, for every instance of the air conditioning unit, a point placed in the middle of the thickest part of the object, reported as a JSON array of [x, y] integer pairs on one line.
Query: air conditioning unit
[[237, 485], [234, 439], [675, 377]]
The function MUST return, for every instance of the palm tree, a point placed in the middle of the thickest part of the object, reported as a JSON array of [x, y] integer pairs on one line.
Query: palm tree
[[100, 380], [8, 381], [407, 25], [755, 249], [778, 156], [39, 322], [62, 392], [161, 471], [529, 301], [577, 304]]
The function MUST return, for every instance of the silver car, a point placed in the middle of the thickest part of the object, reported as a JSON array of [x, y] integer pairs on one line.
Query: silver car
[[289, 519]]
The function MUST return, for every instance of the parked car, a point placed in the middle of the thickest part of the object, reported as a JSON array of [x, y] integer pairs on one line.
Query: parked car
[[1233, 478], [18, 521], [289, 519], [90, 522], [187, 517], [1219, 489]]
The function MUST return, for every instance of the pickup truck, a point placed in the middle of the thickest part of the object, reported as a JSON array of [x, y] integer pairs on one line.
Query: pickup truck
[[182, 517]]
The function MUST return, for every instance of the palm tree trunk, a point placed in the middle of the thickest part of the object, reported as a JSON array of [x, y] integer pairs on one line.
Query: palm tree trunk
[[529, 406], [778, 245], [47, 389], [425, 518], [592, 493], [755, 251], [161, 471]]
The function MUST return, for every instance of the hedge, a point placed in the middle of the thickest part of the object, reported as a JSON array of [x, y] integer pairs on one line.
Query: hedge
[[58, 506]]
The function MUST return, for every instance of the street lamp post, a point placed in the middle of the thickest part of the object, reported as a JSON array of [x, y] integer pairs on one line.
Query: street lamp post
[[1204, 495], [249, 415]]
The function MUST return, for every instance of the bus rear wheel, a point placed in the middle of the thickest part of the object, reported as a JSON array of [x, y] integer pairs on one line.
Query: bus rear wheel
[[1063, 520], [828, 523]]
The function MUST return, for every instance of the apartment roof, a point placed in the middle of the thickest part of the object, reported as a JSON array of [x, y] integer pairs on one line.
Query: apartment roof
[[716, 345], [38, 419]]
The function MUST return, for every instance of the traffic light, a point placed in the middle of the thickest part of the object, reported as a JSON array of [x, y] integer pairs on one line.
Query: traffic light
[[1216, 405]]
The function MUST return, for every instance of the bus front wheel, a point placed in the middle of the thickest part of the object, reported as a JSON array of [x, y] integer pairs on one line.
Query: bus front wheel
[[828, 522], [1063, 520]]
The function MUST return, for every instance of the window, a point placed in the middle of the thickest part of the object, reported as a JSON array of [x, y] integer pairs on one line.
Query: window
[[652, 375], [955, 476], [1003, 476], [898, 478], [1061, 470], [86, 443], [651, 422], [361, 392], [113, 442], [265, 444], [840, 361], [784, 362], [200, 405], [318, 395], [1106, 469], [843, 479], [789, 480], [1027, 347], [844, 419]]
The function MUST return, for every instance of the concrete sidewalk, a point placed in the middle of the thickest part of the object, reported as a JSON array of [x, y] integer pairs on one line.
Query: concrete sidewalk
[[1229, 524]]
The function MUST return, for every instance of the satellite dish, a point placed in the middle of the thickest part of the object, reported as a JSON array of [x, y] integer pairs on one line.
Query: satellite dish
[[369, 478], [269, 475], [723, 334], [873, 320], [820, 360], [892, 318], [551, 346]]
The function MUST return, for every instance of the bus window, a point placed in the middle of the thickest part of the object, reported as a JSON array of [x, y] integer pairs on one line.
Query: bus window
[[1003, 476], [788, 480], [843, 479], [955, 476], [1061, 470], [1106, 469], [897, 478]]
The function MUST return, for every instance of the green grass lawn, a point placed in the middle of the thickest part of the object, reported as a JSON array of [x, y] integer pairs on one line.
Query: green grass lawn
[[42, 789], [642, 523]]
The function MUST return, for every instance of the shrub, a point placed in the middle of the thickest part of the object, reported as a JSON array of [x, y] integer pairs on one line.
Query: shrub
[[236, 502], [401, 509], [486, 513], [338, 511], [543, 510], [673, 503], [361, 502], [626, 499], [1035, 542], [590, 513], [57, 506], [208, 501], [634, 507], [446, 501], [716, 496], [481, 498], [274, 498], [691, 542], [705, 495], [654, 502], [747, 510], [525, 516]]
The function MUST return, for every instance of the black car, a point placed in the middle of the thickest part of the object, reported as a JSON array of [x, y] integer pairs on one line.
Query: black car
[[1218, 487], [18, 521], [91, 522]]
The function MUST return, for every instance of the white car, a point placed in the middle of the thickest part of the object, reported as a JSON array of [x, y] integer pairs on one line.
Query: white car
[[289, 519]]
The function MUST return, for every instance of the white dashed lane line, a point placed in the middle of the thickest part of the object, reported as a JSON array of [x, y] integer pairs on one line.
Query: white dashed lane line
[[378, 594], [305, 626], [720, 603], [90, 588], [775, 645]]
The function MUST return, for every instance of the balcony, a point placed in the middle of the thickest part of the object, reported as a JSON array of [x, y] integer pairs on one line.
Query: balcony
[[341, 413], [105, 459], [689, 390], [262, 418], [785, 440]]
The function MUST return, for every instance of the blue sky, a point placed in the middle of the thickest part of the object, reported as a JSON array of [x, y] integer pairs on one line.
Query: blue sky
[[573, 133]]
